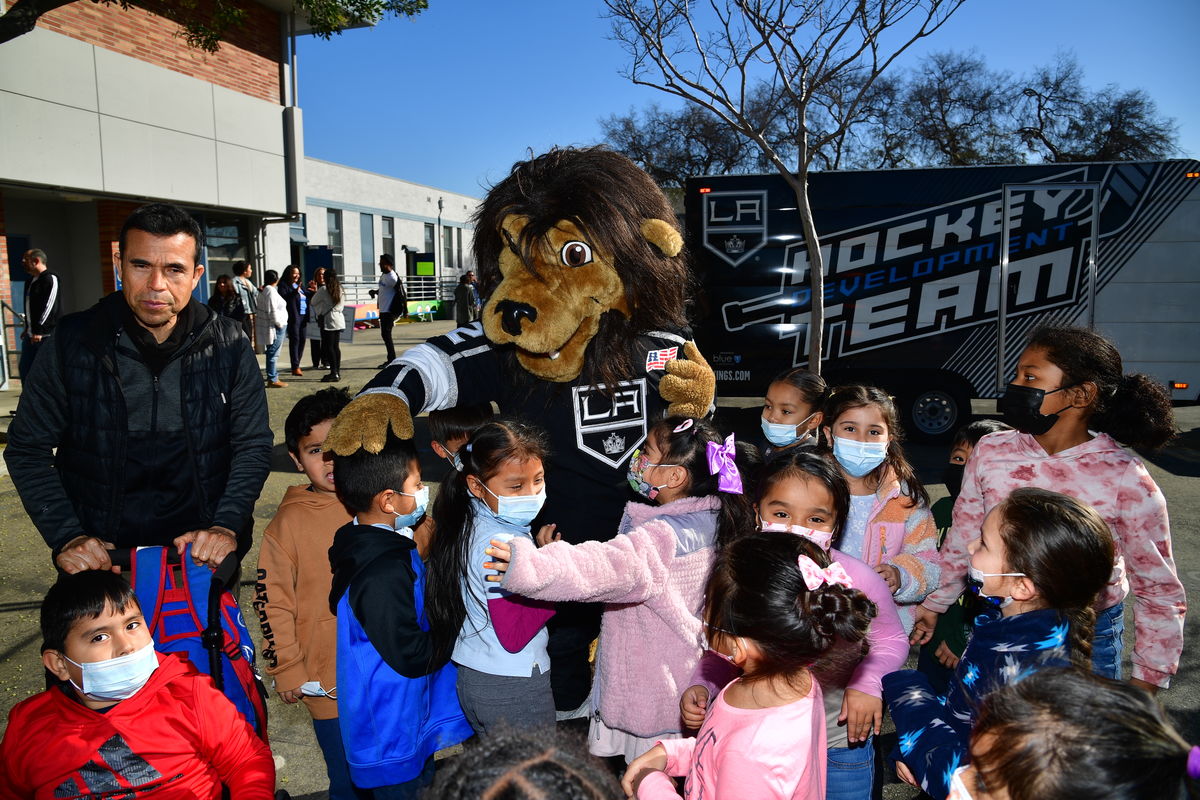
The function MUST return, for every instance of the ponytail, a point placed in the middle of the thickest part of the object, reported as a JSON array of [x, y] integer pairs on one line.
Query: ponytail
[[1134, 409], [1081, 629]]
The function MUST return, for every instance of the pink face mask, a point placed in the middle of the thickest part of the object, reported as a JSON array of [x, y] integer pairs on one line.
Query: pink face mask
[[821, 539]]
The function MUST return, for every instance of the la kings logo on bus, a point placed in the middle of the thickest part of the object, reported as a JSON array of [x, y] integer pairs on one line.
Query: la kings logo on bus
[[735, 224], [609, 427]]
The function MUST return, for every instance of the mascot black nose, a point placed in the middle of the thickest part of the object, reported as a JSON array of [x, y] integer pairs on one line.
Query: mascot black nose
[[511, 313]]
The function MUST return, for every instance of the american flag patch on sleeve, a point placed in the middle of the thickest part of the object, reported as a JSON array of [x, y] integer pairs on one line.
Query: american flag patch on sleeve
[[657, 359]]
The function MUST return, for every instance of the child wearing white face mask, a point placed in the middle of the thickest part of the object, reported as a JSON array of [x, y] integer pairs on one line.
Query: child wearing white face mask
[[497, 641], [124, 715], [1040, 561], [889, 525], [650, 577], [791, 417]]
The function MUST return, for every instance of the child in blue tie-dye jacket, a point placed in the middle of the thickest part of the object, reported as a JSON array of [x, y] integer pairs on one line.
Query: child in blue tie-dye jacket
[[1039, 563]]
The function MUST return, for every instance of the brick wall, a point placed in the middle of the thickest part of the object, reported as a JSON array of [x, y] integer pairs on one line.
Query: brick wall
[[249, 60], [110, 216]]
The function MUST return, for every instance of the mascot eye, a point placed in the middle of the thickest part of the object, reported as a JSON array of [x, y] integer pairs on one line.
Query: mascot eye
[[576, 254]]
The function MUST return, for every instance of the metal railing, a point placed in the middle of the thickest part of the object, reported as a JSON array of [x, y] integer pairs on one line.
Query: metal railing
[[18, 321]]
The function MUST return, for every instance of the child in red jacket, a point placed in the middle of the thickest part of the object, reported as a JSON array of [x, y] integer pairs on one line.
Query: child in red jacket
[[124, 718]]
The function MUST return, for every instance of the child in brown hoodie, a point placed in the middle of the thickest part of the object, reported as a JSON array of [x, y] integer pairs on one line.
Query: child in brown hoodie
[[294, 579]]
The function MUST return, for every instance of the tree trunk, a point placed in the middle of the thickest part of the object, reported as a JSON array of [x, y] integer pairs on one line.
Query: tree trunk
[[22, 17], [816, 272]]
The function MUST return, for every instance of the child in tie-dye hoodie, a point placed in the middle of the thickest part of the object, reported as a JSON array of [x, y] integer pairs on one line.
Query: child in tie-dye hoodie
[[1039, 562]]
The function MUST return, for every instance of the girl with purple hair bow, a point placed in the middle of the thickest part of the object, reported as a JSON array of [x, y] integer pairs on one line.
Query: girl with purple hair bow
[[650, 577]]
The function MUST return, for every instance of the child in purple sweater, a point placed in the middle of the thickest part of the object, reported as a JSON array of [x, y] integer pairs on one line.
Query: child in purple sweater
[[651, 578]]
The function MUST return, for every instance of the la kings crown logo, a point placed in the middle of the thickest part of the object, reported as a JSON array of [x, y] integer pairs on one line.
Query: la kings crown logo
[[609, 428]]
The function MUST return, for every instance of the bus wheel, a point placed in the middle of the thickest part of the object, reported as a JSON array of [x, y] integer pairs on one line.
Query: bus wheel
[[935, 413]]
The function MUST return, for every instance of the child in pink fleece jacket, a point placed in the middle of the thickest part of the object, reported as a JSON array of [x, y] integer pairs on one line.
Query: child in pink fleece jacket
[[1070, 404], [888, 525], [771, 609], [650, 576], [803, 493]]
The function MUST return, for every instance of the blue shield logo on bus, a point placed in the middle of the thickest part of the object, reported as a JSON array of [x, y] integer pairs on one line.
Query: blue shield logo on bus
[[735, 224]]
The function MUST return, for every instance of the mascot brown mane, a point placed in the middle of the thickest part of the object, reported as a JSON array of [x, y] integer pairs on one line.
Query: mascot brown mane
[[570, 291]]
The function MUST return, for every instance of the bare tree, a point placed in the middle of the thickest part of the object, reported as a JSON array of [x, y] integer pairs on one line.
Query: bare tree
[[1062, 121], [726, 55], [959, 112], [673, 146]]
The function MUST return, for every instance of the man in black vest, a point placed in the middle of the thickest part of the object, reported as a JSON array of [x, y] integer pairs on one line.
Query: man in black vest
[[144, 419]]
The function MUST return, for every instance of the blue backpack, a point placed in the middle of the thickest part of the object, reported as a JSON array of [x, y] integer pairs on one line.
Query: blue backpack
[[188, 610]]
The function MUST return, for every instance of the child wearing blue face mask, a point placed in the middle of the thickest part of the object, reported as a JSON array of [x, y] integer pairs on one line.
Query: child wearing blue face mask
[[889, 525], [497, 641], [396, 694], [792, 415], [650, 578]]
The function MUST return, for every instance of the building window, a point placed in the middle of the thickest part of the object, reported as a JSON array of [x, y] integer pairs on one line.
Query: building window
[[448, 260], [366, 230], [458, 245], [227, 242], [298, 228], [428, 237], [388, 232], [333, 222]]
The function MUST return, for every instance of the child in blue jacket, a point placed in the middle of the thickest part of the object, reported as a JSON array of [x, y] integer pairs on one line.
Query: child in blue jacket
[[397, 702]]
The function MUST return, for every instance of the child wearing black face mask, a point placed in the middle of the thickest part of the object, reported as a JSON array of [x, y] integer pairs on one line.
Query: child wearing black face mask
[[1066, 441], [939, 656]]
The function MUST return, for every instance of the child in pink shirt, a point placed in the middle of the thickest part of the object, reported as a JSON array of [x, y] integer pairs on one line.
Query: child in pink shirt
[[772, 610], [804, 493]]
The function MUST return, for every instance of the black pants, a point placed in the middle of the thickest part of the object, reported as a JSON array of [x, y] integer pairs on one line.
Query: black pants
[[572, 629], [295, 334], [331, 351], [387, 321]]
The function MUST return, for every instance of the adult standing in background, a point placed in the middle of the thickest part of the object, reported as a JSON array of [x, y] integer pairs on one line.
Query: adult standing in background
[[297, 312], [43, 307], [225, 300], [328, 305], [476, 300], [271, 323], [392, 302], [145, 421], [314, 342], [464, 304], [249, 294]]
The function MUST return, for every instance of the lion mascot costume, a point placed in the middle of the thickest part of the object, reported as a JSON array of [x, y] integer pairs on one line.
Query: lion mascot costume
[[583, 332]]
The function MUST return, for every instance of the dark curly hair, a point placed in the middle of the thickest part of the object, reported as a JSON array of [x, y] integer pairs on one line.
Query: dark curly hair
[[524, 765], [1134, 409], [755, 590], [588, 182]]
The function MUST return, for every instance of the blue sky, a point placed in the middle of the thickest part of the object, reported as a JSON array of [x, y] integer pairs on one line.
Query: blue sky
[[454, 96]]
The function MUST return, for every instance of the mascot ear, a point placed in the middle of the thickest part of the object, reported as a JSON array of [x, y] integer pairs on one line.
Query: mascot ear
[[511, 226], [663, 236]]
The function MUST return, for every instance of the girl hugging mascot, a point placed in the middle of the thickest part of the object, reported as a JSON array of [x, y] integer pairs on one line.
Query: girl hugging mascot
[[583, 332]]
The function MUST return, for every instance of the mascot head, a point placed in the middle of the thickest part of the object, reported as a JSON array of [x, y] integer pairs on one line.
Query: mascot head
[[578, 252]]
